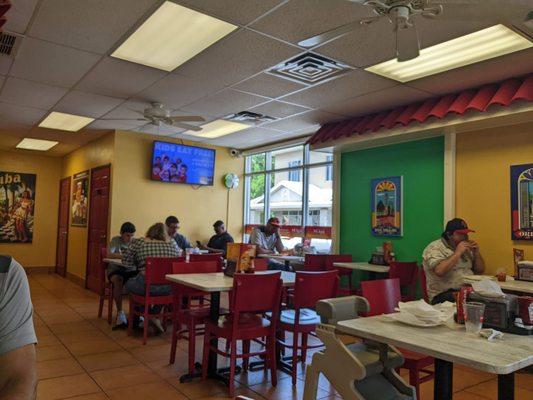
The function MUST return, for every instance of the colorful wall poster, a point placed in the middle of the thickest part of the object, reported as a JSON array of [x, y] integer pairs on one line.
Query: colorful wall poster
[[386, 206], [17, 204], [80, 199], [522, 202]]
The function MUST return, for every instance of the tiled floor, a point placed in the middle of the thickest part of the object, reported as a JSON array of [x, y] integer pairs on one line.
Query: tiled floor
[[80, 357]]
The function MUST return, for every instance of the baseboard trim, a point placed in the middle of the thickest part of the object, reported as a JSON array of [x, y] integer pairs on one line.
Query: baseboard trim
[[39, 270], [76, 279]]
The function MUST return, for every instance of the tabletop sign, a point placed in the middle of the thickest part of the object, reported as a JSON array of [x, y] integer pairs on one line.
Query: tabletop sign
[[522, 202], [240, 256]]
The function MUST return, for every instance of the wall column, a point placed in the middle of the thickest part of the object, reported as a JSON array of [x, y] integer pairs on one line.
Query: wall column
[[449, 173]]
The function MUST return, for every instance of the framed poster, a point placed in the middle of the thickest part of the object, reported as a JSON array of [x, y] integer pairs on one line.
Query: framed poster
[[522, 202], [386, 206], [17, 204], [80, 199]]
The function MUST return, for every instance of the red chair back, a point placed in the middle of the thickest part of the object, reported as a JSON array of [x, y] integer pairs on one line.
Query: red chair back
[[257, 293], [407, 273], [423, 283], [335, 258], [311, 287], [383, 295], [198, 267], [260, 264], [315, 262], [157, 268], [193, 258]]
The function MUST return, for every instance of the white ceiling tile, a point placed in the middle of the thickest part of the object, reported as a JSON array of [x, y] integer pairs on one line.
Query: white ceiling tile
[[224, 103], [236, 57], [162, 130], [13, 116], [378, 101], [118, 78], [245, 138], [278, 109], [2, 79], [350, 85], [118, 124], [50, 63], [237, 11], [309, 119], [5, 63], [175, 91], [300, 19], [130, 110], [94, 25], [268, 85], [19, 15], [31, 94], [475, 75], [87, 104]]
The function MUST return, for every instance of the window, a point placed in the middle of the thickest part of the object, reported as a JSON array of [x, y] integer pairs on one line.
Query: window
[[300, 183]]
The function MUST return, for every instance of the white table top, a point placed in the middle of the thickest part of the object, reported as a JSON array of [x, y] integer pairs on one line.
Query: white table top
[[282, 257], [504, 356], [217, 281], [514, 286], [363, 266]]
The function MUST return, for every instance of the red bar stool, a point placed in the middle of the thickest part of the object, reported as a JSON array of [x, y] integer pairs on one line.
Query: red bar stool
[[309, 288], [343, 272], [253, 295], [383, 296], [407, 273]]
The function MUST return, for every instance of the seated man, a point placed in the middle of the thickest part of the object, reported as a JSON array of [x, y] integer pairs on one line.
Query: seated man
[[218, 242], [449, 259], [268, 241], [173, 225], [117, 273], [18, 376]]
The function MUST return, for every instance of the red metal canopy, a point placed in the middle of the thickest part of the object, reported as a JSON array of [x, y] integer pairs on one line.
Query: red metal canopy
[[504, 94]]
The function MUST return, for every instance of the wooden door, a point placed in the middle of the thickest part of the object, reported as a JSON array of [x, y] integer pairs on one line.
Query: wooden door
[[62, 226], [98, 220]]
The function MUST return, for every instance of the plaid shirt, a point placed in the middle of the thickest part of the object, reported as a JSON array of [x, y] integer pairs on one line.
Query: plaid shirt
[[140, 249]]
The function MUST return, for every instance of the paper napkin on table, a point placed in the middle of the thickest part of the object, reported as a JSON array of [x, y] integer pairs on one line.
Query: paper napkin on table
[[420, 313], [487, 288]]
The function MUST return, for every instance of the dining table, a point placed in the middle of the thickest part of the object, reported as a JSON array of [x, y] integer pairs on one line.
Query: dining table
[[374, 270], [117, 261], [449, 345], [509, 285], [216, 283], [288, 260]]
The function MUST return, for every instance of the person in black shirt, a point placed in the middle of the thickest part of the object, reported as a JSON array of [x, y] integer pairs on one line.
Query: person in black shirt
[[219, 241]]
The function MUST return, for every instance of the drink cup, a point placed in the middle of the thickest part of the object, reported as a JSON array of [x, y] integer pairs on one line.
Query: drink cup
[[474, 313]]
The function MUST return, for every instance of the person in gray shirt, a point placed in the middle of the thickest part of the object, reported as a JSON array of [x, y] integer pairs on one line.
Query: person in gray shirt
[[268, 241], [18, 376]]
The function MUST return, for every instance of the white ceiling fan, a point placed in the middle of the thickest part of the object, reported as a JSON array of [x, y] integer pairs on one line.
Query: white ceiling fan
[[400, 13], [158, 114]]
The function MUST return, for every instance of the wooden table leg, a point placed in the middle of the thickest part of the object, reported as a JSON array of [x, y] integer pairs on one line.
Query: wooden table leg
[[443, 386], [506, 387]]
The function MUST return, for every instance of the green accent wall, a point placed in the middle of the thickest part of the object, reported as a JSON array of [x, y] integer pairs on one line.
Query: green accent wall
[[422, 165]]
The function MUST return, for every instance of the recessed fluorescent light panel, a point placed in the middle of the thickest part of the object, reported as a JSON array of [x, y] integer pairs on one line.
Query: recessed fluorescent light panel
[[65, 122], [485, 44], [36, 144], [218, 128], [172, 35]]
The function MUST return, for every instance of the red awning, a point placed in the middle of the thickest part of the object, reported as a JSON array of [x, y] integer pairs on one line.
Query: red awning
[[480, 99], [5, 5]]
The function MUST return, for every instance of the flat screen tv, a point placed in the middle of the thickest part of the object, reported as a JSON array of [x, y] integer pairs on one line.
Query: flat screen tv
[[178, 163]]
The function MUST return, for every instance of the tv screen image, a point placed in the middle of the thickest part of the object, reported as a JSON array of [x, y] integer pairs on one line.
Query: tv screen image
[[178, 163]]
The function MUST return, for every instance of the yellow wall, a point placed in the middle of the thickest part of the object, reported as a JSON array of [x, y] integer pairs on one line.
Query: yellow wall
[[483, 192], [42, 252], [93, 154], [137, 199]]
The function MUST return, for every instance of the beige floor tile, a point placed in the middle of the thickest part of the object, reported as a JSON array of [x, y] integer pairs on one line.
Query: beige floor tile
[[67, 386], [58, 368], [241, 391], [124, 376], [94, 396], [84, 336], [151, 353], [47, 340], [109, 360], [148, 391], [52, 352], [93, 347], [490, 390], [524, 380], [63, 327], [285, 390], [198, 388], [166, 370]]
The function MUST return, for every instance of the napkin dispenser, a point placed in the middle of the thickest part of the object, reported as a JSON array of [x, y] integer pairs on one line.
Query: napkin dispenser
[[525, 271], [500, 312]]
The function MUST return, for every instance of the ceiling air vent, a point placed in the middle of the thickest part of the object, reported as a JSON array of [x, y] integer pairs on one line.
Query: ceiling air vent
[[248, 117], [9, 44], [309, 68]]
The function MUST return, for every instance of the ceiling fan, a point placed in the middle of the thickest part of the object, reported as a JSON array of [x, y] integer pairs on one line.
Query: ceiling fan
[[400, 13], [158, 114]]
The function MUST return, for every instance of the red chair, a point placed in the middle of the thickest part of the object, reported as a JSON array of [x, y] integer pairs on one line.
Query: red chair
[[423, 284], [253, 295], [183, 313], [343, 272], [260, 264], [207, 257], [106, 287], [315, 262], [309, 288], [155, 271], [407, 273], [383, 296]]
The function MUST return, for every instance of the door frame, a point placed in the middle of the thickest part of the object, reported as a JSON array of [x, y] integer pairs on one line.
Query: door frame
[[89, 215], [69, 178]]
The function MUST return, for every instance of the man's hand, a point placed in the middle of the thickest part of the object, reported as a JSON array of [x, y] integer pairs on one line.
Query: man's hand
[[473, 246], [462, 247]]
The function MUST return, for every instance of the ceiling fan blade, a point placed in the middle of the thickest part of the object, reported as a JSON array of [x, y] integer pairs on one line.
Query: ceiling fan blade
[[193, 118], [330, 35], [123, 119], [407, 43], [137, 111], [187, 126]]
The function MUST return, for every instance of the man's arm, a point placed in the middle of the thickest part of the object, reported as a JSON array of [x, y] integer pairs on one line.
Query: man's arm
[[256, 239], [18, 378], [478, 263], [279, 243], [448, 264]]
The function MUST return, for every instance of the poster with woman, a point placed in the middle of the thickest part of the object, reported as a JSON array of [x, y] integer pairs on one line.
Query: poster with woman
[[17, 205], [80, 199], [386, 204], [522, 202]]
